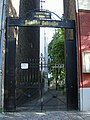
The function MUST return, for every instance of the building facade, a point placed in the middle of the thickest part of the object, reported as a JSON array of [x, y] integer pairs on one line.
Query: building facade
[[83, 43], [79, 10]]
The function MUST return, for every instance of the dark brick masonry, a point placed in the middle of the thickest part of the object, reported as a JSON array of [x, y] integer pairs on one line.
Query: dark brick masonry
[[27, 50], [69, 13], [29, 37]]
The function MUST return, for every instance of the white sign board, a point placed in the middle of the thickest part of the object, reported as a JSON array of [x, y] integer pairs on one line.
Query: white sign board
[[24, 65]]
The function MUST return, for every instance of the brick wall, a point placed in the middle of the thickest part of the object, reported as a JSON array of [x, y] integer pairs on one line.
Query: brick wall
[[28, 44], [29, 37], [11, 12], [84, 35]]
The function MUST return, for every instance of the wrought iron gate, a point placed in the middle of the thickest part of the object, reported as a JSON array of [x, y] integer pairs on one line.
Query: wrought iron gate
[[34, 91], [30, 81]]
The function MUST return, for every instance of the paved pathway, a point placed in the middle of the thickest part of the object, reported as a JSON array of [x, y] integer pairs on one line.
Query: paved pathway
[[55, 115]]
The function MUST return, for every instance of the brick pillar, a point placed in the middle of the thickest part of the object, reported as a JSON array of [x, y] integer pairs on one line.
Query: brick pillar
[[29, 36], [83, 42]]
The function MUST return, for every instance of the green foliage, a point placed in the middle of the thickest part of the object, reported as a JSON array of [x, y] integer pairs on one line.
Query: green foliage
[[56, 47], [56, 53]]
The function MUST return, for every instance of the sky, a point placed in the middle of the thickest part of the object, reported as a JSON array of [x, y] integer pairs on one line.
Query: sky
[[55, 6], [16, 5], [52, 5]]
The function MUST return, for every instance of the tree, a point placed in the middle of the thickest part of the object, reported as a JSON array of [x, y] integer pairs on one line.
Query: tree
[[56, 53], [56, 47]]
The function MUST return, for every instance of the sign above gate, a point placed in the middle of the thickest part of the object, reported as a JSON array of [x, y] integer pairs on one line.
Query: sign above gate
[[41, 18], [41, 15], [42, 23], [69, 24]]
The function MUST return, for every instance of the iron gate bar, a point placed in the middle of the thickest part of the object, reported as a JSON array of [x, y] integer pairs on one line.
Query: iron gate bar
[[68, 24]]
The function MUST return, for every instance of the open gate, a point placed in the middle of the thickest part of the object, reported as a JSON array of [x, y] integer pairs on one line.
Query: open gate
[[32, 84]]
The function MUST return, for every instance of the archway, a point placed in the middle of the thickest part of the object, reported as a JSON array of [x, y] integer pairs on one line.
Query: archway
[[33, 64]]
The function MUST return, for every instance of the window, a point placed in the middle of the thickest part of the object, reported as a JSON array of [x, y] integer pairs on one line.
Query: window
[[86, 62]]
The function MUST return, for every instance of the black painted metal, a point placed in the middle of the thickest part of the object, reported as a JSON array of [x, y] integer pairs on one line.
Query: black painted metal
[[71, 75], [28, 83], [31, 82], [35, 94], [10, 75], [69, 24]]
